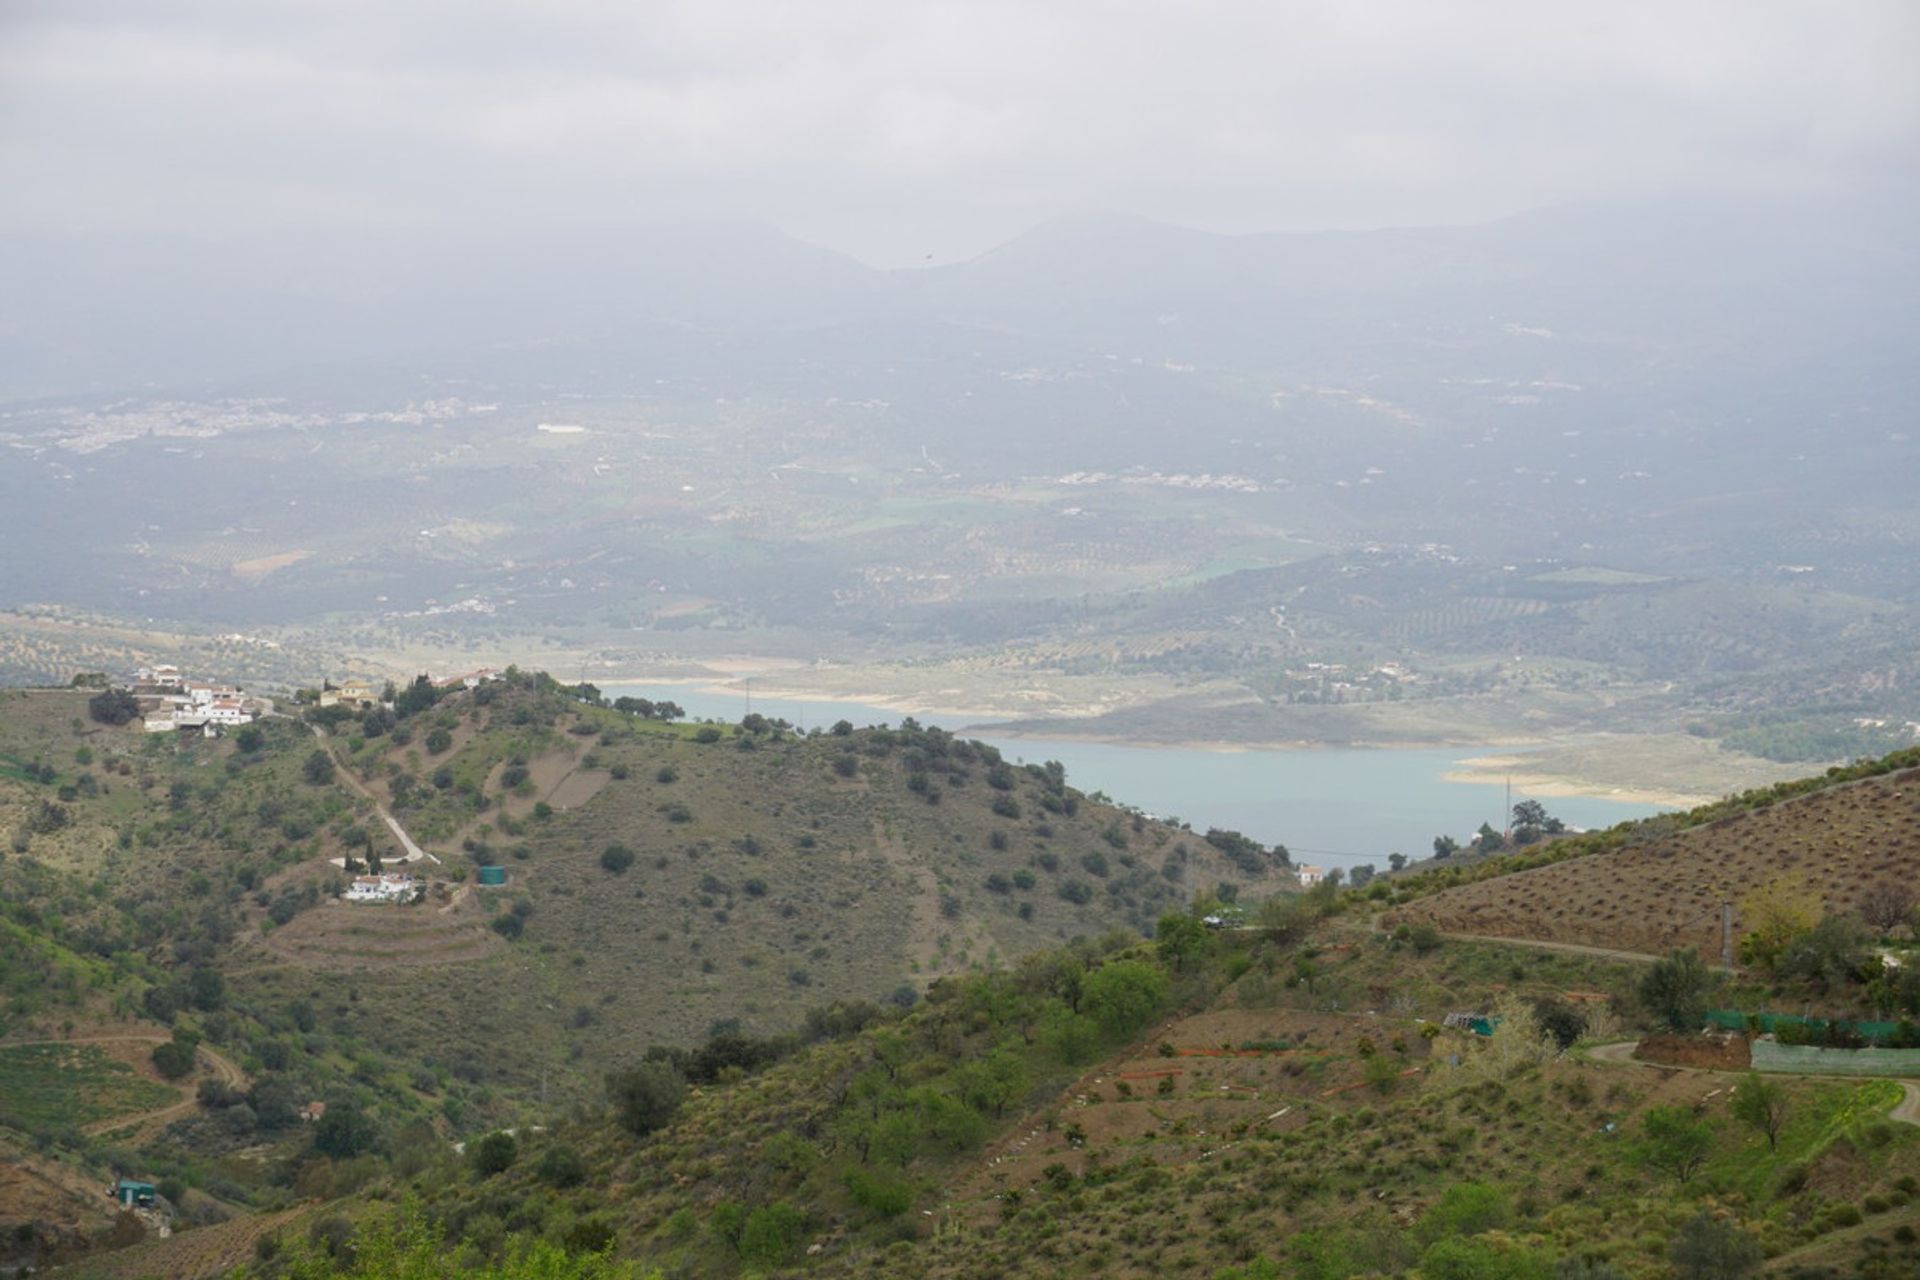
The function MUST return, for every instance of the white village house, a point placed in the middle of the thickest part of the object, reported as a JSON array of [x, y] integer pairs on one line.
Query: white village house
[[389, 886], [168, 702], [1310, 876]]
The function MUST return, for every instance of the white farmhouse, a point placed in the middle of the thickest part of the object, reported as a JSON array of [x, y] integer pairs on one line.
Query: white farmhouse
[[227, 711], [387, 887]]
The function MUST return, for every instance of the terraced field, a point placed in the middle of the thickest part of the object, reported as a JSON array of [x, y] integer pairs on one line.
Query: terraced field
[[205, 1251], [1843, 842], [341, 935], [76, 1084]]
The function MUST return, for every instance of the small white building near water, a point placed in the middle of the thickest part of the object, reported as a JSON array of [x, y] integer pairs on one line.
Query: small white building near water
[[469, 680], [386, 887]]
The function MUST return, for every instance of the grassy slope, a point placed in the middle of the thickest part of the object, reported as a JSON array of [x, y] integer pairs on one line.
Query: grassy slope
[[732, 1144], [787, 887], [764, 883], [1188, 1189], [72, 1084], [1269, 1142]]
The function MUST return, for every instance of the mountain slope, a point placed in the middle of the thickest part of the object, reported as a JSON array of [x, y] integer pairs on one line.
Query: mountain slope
[[1842, 847]]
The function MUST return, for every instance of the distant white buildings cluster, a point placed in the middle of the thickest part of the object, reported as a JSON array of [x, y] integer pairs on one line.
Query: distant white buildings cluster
[[467, 680], [170, 703], [362, 695]]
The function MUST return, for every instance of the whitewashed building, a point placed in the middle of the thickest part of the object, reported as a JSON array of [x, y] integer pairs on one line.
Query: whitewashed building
[[386, 887]]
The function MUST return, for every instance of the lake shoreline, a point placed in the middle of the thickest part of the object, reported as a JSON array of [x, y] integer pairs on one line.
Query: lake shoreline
[[1491, 771], [1485, 770]]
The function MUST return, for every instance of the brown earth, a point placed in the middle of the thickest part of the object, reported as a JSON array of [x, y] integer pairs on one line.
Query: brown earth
[[203, 1251], [66, 1207], [1707, 1053], [1844, 842]]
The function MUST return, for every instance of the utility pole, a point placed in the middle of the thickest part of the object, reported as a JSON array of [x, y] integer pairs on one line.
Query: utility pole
[[1507, 822], [749, 695], [1726, 935]]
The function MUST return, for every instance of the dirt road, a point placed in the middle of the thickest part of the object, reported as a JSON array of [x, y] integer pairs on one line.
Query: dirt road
[[1542, 944], [414, 851], [145, 1123]]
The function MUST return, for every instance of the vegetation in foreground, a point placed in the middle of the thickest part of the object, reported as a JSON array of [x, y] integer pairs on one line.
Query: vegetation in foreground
[[1274, 1100]]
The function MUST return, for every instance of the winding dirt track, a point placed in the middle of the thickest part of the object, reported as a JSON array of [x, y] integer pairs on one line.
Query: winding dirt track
[[1374, 923], [146, 1123], [1906, 1111], [414, 852]]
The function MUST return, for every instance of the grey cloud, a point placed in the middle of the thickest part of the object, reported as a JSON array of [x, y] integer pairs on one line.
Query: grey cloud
[[889, 129]]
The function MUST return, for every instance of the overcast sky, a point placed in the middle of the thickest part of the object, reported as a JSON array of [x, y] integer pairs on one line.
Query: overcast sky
[[895, 130]]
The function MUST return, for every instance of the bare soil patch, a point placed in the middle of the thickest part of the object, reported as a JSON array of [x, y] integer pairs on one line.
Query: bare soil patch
[[1709, 1053], [578, 787], [190, 1255]]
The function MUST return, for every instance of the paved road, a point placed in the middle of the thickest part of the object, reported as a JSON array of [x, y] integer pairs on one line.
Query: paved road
[[1906, 1111]]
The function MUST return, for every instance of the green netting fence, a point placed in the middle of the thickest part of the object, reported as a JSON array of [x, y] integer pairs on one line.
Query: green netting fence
[[1768, 1055], [1877, 1033]]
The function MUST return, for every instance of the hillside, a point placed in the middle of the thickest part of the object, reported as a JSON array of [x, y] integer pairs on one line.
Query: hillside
[[753, 1001], [1239, 1106], [663, 879], [1843, 847]]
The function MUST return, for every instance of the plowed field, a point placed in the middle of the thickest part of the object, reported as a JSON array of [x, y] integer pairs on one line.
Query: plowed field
[[1845, 842]]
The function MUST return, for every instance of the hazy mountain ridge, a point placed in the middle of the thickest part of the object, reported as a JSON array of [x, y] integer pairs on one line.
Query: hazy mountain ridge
[[728, 439]]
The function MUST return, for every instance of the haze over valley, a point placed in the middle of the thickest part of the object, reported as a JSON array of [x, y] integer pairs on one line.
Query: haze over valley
[[1595, 469], [958, 641]]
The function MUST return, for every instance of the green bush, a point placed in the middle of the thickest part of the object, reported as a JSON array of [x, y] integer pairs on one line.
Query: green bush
[[771, 1234], [1123, 996], [1708, 1249], [591, 1235], [1465, 1209], [173, 1059], [493, 1154], [561, 1166], [1456, 1258], [887, 1197], [646, 1096]]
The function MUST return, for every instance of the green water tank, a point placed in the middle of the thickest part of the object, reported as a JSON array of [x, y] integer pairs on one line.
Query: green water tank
[[493, 875]]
